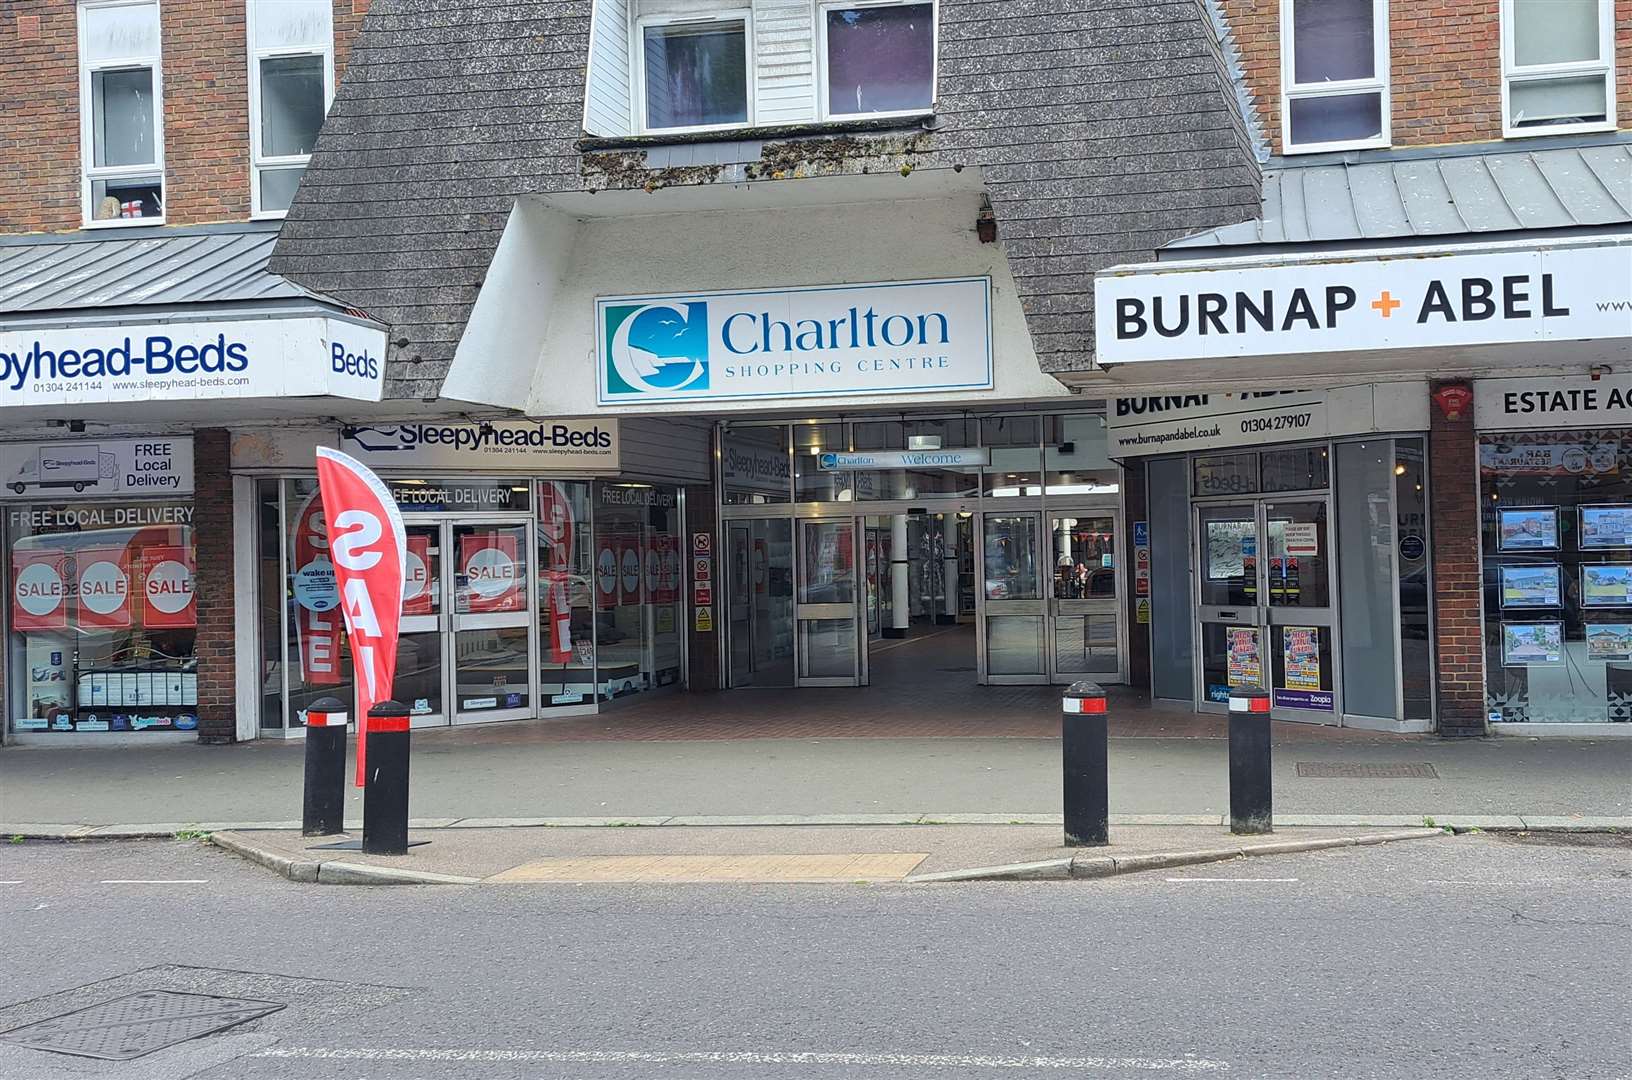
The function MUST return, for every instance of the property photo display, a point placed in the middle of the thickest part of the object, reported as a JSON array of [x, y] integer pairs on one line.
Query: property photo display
[[1530, 586], [1605, 527], [1606, 584], [1524, 644], [1532, 528], [1609, 642]]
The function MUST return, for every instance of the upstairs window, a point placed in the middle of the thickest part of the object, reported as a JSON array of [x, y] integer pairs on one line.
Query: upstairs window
[[694, 72], [121, 114], [291, 79], [878, 59], [1558, 73], [1334, 74]]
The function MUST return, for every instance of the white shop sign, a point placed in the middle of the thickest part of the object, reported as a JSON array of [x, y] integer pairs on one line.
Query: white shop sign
[[1177, 422], [159, 465], [571, 445], [192, 361], [902, 459], [885, 338], [1335, 305], [1552, 401]]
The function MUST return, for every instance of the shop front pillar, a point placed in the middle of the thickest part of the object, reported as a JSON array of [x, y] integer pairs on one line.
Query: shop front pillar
[[213, 580], [949, 569], [900, 617], [1458, 629]]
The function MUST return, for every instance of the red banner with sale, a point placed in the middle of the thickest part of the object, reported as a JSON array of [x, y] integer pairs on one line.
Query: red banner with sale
[[370, 549], [629, 570], [317, 598], [167, 588], [606, 573], [104, 588], [555, 526], [39, 592], [492, 574], [417, 598]]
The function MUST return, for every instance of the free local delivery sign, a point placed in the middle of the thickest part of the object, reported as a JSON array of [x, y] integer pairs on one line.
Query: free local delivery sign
[[1531, 295]]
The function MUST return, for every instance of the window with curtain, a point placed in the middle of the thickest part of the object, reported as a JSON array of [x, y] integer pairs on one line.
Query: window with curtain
[[122, 119], [1334, 73], [291, 44], [1557, 66], [696, 74]]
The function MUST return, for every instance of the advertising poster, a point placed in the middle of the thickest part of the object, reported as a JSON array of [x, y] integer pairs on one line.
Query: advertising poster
[[1244, 664], [1301, 538], [167, 588], [1532, 643], [556, 528], [318, 622], [39, 591], [1609, 641], [629, 562], [488, 563], [1300, 655], [417, 597], [104, 588], [1551, 459], [606, 574], [1530, 586], [1606, 527], [1606, 584], [1530, 529], [1229, 545]]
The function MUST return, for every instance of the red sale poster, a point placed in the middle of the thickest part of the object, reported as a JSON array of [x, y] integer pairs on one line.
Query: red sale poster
[[629, 570], [665, 552], [606, 573], [416, 578], [318, 621], [167, 588], [493, 581], [104, 588], [39, 593]]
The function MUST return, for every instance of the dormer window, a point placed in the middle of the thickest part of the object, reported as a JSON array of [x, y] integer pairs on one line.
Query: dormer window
[[667, 67], [694, 74]]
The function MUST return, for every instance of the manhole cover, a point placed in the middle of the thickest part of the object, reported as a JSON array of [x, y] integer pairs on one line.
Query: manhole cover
[[1334, 770], [138, 1024]]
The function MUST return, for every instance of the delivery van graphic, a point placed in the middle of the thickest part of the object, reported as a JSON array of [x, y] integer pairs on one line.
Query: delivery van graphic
[[78, 466]]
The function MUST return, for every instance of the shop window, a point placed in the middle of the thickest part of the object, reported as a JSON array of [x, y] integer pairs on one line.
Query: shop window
[[812, 482], [1558, 71], [1076, 457], [1556, 530], [291, 76], [1224, 474], [1015, 455], [754, 466], [1416, 645], [1299, 468], [103, 618], [316, 651], [637, 606], [916, 483], [878, 59], [121, 90], [1334, 74], [567, 591], [693, 73]]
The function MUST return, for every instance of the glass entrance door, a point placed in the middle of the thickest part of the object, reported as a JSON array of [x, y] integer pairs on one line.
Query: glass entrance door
[[1264, 604], [826, 610], [1085, 612], [425, 621], [760, 565], [490, 637], [1015, 646]]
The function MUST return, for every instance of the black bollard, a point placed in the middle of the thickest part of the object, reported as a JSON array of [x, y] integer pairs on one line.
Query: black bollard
[[324, 803], [1251, 795], [385, 781], [1084, 755]]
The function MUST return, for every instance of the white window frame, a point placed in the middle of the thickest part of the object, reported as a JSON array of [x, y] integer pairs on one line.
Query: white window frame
[[823, 95], [1379, 83], [1604, 66], [257, 161], [89, 173], [637, 66]]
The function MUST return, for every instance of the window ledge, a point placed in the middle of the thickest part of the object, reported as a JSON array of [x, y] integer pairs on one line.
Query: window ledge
[[925, 122]]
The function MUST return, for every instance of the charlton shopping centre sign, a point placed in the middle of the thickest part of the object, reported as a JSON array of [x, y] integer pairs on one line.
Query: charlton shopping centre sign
[[1518, 296]]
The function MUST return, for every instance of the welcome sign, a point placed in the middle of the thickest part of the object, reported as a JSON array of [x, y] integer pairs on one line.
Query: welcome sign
[[886, 338]]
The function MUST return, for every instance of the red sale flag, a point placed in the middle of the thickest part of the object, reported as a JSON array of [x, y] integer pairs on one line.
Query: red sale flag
[[369, 548]]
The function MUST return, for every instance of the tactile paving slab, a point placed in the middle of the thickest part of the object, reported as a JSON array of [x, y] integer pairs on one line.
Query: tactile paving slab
[[1335, 770], [138, 1024]]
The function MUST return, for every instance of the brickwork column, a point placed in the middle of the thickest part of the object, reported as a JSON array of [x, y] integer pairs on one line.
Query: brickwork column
[[213, 542], [1459, 631]]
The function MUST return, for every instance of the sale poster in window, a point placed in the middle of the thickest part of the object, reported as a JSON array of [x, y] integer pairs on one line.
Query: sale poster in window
[[167, 588], [493, 579], [1244, 663], [104, 589], [39, 590], [1300, 648]]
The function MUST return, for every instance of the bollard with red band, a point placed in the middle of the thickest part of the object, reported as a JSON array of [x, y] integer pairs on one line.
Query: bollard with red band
[[1084, 756], [1251, 789], [324, 802], [385, 781]]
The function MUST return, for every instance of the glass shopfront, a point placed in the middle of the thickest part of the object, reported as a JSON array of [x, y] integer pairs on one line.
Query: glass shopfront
[[102, 623], [1556, 537], [522, 598]]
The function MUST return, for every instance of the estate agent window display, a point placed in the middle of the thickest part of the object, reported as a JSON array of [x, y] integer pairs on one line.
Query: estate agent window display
[[1557, 547]]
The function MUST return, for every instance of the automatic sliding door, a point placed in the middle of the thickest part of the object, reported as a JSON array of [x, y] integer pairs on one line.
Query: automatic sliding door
[[1085, 606], [1015, 645], [827, 639], [492, 658], [760, 580]]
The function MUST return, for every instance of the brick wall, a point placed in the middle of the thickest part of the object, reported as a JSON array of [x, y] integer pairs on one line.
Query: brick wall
[[1454, 522], [213, 540], [1445, 67], [206, 110]]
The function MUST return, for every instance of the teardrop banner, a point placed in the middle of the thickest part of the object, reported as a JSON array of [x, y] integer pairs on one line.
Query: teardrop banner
[[369, 547]]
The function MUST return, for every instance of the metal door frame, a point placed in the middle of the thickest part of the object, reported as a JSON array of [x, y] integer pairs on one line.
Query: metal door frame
[[1265, 613], [1117, 603], [985, 607], [528, 617], [855, 610]]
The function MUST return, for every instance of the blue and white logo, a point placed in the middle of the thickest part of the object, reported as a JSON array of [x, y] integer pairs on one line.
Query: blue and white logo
[[657, 348]]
